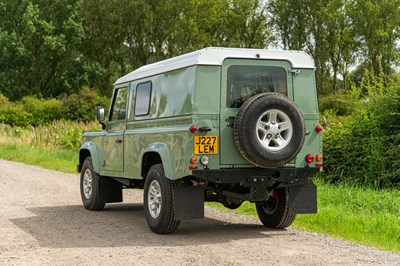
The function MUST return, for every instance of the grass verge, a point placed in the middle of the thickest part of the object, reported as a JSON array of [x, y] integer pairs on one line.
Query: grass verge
[[360, 215], [59, 160]]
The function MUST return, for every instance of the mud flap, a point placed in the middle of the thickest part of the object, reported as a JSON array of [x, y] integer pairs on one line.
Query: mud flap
[[188, 202], [303, 198], [110, 190]]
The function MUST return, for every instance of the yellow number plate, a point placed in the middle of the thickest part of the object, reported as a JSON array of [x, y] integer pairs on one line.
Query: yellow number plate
[[205, 145]]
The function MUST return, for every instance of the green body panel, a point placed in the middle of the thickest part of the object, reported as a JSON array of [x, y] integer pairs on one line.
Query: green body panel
[[207, 92], [113, 147], [229, 154], [305, 96], [172, 94], [312, 142], [170, 143], [305, 92]]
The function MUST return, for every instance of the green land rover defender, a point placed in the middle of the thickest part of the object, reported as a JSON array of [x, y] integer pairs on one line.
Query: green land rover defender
[[225, 125]]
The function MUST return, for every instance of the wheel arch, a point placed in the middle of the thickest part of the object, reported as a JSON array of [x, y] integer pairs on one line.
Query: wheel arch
[[90, 149], [156, 153]]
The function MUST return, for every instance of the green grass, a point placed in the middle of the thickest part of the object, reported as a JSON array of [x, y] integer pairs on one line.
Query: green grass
[[363, 216], [59, 160], [359, 215]]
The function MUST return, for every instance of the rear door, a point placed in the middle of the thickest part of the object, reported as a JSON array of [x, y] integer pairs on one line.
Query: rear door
[[242, 79]]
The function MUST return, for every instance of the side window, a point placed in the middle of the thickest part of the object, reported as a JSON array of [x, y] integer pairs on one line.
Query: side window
[[118, 111], [142, 100], [247, 81]]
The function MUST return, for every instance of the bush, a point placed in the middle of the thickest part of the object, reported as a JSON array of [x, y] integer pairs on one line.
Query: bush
[[341, 103], [364, 147], [35, 111], [43, 111], [82, 106], [13, 113]]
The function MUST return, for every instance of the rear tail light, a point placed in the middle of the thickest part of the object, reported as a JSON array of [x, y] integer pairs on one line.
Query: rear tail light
[[318, 129], [193, 129], [309, 158], [193, 161]]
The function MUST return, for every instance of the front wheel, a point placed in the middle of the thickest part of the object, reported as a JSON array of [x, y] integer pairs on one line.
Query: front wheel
[[159, 201], [274, 213], [90, 192]]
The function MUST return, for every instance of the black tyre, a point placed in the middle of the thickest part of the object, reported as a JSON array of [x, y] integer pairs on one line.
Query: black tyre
[[274, 213], [269, 130], [90, 187], [159, 201]]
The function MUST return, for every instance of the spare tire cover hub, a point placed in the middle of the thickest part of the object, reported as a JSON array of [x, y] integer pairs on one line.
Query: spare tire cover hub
[[274, 130]]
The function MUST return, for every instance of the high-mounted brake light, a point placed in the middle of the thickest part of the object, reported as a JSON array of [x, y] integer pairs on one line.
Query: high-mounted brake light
[[193, 129], [318, 129], [309, 158]]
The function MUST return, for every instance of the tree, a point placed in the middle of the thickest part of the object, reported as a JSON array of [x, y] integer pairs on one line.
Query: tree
[[245, 25], [331, 32], [103, 44], [42, 56], [289, 21], [377, 25]]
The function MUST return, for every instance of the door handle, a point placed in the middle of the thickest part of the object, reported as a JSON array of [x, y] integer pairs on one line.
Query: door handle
[[118, 141]]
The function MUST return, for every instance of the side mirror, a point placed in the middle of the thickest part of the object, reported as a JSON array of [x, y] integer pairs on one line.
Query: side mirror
[[101, 116]]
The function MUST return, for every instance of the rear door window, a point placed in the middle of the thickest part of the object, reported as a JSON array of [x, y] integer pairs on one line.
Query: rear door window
[[245, 81]]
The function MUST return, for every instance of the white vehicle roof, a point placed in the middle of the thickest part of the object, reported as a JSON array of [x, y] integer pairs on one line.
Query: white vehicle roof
[[216, 56]]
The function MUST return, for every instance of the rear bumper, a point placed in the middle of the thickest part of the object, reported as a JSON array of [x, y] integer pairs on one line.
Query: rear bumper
[[285, 176]]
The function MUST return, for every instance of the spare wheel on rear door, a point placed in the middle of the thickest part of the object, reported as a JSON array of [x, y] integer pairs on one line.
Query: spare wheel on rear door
[[269, 130]]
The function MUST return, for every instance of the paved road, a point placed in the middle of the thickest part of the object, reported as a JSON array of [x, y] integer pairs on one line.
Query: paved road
[[42, 222]]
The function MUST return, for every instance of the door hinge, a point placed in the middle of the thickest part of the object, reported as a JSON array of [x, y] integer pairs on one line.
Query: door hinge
[[295, 72]]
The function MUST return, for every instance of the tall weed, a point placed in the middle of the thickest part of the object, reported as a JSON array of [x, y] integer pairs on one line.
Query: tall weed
[[57, 135]]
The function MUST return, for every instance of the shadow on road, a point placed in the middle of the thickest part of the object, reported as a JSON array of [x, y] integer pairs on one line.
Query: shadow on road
[[125, 225]]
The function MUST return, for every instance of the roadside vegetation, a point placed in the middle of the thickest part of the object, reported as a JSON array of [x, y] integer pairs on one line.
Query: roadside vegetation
[[54, 146]]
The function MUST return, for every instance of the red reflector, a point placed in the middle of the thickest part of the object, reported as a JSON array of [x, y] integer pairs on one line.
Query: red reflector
[[309, 158], [192, 167], [318, 128], [193, 129], [319, 164]]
